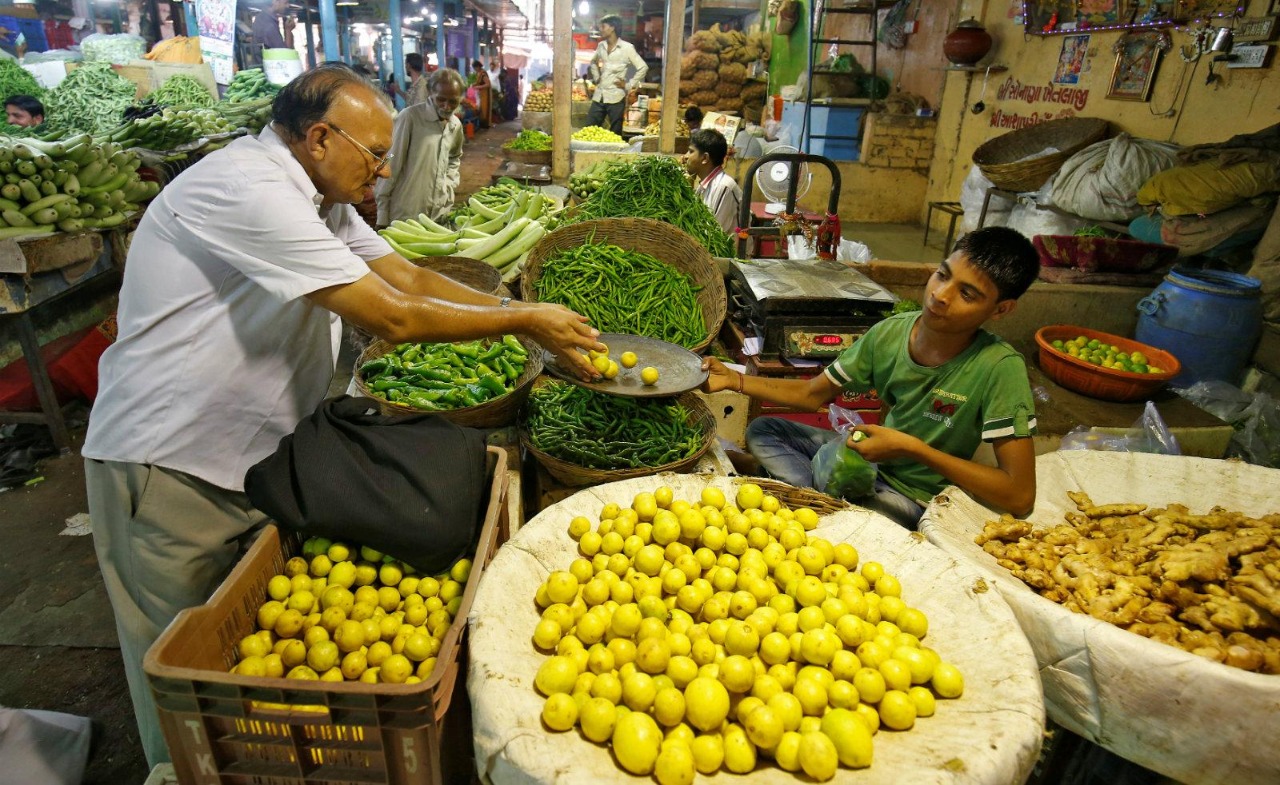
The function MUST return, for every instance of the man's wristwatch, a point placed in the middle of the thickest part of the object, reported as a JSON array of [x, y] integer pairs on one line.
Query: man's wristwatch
[[505, 302]]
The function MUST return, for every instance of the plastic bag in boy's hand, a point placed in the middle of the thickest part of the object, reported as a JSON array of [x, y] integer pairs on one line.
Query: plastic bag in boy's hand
[[837, 470]]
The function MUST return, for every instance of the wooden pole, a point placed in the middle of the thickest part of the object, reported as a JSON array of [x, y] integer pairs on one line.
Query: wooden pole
[[562, 88], [672, 43]]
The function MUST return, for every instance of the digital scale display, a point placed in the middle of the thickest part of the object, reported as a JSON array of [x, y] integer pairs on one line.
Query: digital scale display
[[819, 342]]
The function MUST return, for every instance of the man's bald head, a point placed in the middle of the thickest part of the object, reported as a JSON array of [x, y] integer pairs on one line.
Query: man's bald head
[[309, 98]]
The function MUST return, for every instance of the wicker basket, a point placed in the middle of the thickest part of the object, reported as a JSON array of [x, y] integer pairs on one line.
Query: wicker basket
[[1001, 159], [661, 240], [527, 156], [573, 475], [471, 272], [793, 496], [497, 413]]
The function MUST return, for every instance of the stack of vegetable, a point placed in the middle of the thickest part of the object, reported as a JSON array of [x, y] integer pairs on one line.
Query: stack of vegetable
[[16, 80], [530, 140], [624, 291], [600, 431], [713, 72], [171, 127], [71, 184], [654, 186], [444, 376], [583, 184], [538, 101], [92, 99], [655, 128], [181, 90], [594, 133], [250, 84], [499, 225]]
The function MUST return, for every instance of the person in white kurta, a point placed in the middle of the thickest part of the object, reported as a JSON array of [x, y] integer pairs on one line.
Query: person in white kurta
[[236, 284], [715, 187], [427, 146]]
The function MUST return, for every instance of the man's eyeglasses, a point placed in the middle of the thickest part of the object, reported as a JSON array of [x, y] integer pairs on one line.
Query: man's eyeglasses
[[378, 161]]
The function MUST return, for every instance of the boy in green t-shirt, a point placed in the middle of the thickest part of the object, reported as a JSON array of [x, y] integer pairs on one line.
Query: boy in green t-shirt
[[948, 385]]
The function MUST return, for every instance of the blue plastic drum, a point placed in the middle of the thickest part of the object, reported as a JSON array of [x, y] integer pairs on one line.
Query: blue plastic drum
[[1210, 320]]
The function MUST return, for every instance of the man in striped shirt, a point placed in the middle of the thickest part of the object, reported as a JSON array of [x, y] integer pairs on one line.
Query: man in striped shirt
[[949, 385]]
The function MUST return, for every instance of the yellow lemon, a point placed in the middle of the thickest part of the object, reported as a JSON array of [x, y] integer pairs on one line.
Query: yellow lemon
[[636, 742], [649, 375], [706, 703], [629, 359], [560, 712], [674, 765], [601, 363], [597, 718]]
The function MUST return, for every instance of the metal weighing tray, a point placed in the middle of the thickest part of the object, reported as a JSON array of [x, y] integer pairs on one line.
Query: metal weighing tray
[[679, 370]]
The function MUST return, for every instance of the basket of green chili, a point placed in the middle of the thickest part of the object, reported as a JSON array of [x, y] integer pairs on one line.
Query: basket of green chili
[[583, 437], [630, 275], [480, 384]]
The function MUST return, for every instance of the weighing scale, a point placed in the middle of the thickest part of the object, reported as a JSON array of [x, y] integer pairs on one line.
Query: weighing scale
[[812, 309]]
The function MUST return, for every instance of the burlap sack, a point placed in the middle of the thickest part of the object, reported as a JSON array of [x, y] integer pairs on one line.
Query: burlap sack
[[1186, 717], [991, 734]]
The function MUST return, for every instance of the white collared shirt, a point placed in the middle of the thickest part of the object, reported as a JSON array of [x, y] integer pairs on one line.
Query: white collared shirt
[[612, 66], [220, 353], [722, 196]]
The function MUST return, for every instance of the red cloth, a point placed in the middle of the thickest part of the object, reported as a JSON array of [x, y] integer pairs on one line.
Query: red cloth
[[58, 34], [73, 368]]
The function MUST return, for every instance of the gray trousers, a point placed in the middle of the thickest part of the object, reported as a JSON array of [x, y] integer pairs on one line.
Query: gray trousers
[[164, 540]]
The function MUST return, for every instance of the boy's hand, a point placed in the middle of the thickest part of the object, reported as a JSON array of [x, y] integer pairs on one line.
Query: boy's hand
[[882, 444], [719, 377]]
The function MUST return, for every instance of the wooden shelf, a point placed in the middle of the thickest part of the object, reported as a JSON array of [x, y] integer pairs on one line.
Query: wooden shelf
[[977, 69]]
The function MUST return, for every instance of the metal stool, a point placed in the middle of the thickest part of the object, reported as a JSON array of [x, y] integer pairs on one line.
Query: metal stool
[[952, 209]]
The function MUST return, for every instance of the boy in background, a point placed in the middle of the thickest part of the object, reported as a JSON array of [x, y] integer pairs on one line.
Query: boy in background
[[715, 187], [948, 385]]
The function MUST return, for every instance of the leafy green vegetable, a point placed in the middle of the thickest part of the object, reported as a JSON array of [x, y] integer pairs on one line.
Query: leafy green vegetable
[[905, 306], [16, 80]]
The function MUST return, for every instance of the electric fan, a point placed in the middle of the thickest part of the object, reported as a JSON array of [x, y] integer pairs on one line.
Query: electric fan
[[772, 179]]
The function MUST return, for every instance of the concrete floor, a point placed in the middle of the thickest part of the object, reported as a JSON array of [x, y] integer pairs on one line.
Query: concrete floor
[[58, 645]]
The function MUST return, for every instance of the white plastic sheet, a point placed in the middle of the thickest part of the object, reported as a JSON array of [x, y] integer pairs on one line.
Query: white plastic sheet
[[1186, 717], [992, 734]]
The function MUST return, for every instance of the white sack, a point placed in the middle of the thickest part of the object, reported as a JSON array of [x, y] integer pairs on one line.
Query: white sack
[[1101, 181], [1197, 721], [972, 192], [992, 734]]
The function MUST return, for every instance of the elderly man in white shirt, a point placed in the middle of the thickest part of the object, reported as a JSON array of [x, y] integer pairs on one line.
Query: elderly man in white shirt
[[704, 161], [427, 145], [238, 279], [609, 68]]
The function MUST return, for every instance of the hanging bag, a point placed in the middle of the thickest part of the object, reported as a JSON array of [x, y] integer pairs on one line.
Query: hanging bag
[[413, 487]]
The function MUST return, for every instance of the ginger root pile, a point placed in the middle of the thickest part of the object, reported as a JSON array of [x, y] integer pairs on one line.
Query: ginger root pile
[[1209, 584]]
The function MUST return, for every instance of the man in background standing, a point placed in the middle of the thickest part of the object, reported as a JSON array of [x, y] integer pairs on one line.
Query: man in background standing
[[609, 70], [266, 27], [427, 151], [417, 92]]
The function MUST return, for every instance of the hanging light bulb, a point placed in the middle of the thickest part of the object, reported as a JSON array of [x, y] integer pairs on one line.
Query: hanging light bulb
[[584, 8], [434, 18]]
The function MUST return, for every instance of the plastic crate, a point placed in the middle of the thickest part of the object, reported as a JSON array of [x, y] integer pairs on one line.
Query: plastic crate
[[226, 728]]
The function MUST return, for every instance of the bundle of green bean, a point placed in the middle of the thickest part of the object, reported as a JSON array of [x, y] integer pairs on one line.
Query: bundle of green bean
[[624, 291], [69, 184], [16, 80], [249, 84], [654, 186], [443, 376], [92, 99], [171, 127], [181, 90], [601, 431]]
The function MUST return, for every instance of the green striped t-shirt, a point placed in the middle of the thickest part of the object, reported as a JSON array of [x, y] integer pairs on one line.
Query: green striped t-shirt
[[981, 394]]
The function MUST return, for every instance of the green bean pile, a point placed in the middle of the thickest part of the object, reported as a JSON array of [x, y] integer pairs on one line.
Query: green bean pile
[[92, 99], [249, 84], [181, 90], [442, 376], [600, 431], [655, 186], [16, 80], [171, 127], [530, 139], [624, 291]]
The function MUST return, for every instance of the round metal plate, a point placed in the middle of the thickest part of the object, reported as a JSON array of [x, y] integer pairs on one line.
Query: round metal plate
[[679, 370]]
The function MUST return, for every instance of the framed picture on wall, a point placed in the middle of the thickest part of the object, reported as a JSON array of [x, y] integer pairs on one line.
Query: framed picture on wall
[[1075, 48], [1187, 10], [1137, 55]]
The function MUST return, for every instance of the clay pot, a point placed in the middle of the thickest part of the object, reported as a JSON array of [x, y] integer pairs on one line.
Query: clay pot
[[967, 44]]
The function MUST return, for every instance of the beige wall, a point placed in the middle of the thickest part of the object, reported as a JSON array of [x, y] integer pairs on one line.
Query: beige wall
[[1182, 108], [917, 67]]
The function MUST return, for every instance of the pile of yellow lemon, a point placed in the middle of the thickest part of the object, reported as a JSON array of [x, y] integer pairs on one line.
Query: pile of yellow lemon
[[594, 133], [343, 612], [610, 368], [698, 636]]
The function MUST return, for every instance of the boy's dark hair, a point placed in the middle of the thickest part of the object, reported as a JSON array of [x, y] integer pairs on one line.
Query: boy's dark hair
[[613, 20], [693, 117], [26, 103], [711, 142], [1008, 258], [413, 61], [307, 98]]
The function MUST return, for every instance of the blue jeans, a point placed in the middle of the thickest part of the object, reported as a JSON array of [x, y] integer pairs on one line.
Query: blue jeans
[[785, 450]]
